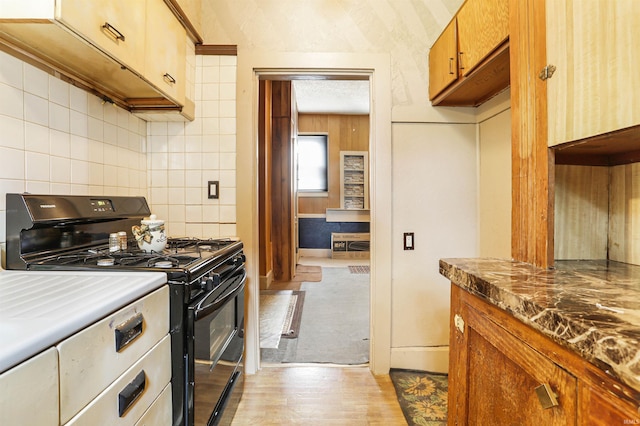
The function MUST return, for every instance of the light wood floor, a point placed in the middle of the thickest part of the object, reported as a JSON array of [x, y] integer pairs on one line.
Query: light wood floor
[[318, 395]]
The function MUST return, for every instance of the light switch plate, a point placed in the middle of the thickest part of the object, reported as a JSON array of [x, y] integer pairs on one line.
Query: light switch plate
[[214, 187], [408, 241]]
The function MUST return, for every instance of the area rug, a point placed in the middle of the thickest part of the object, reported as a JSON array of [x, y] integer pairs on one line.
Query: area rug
[[335, 322], [422, 396], [359, 269], [273, 313], [291, 327]]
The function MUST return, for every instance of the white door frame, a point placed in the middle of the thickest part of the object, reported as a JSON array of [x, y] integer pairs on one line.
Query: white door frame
[[377, 67]]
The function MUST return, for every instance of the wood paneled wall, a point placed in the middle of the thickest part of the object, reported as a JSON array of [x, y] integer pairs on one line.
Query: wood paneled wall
[[282, 202], [346, 133], [624, 213], [597, 213], [581, 212]]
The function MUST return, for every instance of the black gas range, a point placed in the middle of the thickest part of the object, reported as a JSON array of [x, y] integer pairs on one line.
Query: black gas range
[[206, 279]]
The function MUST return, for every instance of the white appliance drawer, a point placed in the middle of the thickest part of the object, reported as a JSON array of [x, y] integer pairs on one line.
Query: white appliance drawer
[[159, 414], [93, 358], [126, 400], [30, 391]]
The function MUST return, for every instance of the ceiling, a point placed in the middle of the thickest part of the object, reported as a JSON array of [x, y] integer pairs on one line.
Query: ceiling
[[332, 96]]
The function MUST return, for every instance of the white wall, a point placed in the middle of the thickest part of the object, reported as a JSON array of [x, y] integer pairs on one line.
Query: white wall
[[434, 196], [494, 178]]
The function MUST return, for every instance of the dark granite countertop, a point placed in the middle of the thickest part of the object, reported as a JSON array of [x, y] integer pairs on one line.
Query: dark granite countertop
[[590, 307]]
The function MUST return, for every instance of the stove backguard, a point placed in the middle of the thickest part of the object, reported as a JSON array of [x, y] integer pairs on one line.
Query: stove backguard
[[41, 225]]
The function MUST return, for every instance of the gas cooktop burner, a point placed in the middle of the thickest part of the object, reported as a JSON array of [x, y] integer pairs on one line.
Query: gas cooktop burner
[[106, 262], [211, 244]]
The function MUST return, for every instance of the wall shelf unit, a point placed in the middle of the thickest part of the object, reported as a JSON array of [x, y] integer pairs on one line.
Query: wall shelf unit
[[354, 180]]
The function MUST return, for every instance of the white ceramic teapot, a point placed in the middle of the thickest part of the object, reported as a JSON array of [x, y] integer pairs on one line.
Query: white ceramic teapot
[[150, 234]]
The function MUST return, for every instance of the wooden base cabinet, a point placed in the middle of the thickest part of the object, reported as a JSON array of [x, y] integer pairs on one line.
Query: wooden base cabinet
[[503, 372]]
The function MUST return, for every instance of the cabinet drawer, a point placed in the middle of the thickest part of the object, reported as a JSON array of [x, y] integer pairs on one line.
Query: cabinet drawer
[[35, 380], [160, 411], [166, 49], [115, 26], [128, 398], [90, 360]]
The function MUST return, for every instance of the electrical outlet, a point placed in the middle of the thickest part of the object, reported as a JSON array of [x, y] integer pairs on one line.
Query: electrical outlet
[[408, 241]]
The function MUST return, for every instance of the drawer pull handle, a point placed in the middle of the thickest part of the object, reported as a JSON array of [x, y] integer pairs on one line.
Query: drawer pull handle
[[128, 331], [130, 394], [451, 66], [546, 396], [169, 79], [113, 31]]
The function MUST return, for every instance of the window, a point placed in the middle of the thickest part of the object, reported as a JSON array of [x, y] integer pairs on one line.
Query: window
[[312, 163]]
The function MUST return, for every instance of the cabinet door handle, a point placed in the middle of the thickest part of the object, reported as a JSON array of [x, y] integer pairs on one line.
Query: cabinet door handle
[[130, 394], [167, 77], [458, 321], [546, 396], [113, 31], [128, 331], [450, 65], [460, 60]]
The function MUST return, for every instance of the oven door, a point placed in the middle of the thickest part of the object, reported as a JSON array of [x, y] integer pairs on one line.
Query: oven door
[[214, 353]]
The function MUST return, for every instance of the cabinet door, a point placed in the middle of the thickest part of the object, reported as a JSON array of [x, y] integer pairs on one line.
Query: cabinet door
[[483, 25], [115, 26], [604, 409], [443, 60], [493, 375], [30, 392], [594, 88], [165, 56]]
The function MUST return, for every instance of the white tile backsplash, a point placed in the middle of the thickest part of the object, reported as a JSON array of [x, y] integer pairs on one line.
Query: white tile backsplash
[[59, 92], [60, 170], [59, 117], [58, 138], [78, 123], [36, 81], [37, 166], [11, 71], [78, 100], [11, 163], [12, 134], [12, 104], [36, 109]]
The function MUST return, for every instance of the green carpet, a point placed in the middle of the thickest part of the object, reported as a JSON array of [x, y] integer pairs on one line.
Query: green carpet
[[422, 396]]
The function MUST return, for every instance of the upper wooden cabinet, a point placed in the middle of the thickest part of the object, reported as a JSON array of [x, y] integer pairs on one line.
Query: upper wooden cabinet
[[133, 53], [165, 52], [483, 25], [469, 62], [113, 25], [443, 60], [595, 87]]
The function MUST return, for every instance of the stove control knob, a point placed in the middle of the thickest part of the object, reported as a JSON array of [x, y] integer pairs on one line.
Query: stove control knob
[[206, 284]]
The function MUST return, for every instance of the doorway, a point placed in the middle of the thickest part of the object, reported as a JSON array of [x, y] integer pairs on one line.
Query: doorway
[[256, 65], [296, 229]]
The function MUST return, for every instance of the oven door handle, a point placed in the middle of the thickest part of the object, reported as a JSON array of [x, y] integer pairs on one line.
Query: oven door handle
[[230, 293]]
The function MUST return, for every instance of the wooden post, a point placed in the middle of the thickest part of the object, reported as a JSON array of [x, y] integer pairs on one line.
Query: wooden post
[[532, 161]]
